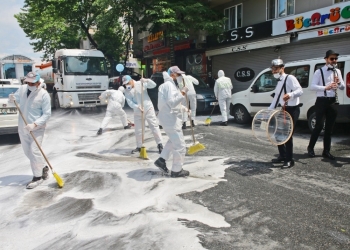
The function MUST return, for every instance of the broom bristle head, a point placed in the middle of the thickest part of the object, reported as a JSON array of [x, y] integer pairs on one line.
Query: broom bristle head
[[195, 148], [143, 153], [59, 180], [208, 120]]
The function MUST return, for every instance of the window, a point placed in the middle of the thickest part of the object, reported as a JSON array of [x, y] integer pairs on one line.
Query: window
[[340, 66], [339, 1], [279, 8], [76, 65], [9, 70], [233, 17], [301, 73], [266, 82], [27, 68]]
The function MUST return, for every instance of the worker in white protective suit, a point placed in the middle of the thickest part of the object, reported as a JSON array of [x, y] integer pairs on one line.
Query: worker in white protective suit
[[170, 108], [116, 102], [133, 97], [35, 105], [222, 90], [185, 80]]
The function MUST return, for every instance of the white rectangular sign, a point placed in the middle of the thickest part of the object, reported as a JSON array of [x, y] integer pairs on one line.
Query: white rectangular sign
[[326, 31], [331, 15]]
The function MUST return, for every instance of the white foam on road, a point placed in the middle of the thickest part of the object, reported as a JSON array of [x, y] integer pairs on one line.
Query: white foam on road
[[110, 199]]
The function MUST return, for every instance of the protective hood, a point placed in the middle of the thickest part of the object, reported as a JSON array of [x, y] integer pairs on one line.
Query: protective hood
[[221, 73], [167, 77]]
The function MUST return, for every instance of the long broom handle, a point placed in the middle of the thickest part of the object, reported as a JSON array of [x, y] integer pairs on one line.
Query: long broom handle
[[214, 105], [31, 133], [188, 108], [142, 113]]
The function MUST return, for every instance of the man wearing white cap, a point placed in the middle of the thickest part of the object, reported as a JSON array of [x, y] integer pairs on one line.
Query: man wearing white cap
[[133, 97], [170, 108], [35, 105], [116, 102]]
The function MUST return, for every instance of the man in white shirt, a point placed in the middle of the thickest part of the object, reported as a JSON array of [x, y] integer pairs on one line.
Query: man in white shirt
[[325, 82], [287, 93]]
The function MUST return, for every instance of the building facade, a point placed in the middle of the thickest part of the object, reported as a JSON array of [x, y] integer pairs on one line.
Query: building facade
[[257, 31], [15, 67]]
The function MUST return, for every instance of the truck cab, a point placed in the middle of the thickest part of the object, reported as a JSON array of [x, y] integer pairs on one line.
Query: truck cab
[[80, 76]]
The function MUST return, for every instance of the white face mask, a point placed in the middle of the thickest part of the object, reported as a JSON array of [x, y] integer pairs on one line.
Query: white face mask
[[32, 88], [276, 75], [179, 79], [332, 66]]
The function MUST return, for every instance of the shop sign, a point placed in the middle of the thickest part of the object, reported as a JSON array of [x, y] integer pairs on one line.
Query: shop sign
[[244, 74], [245, 34], [327, 31], [153, 46], [337, 13], [155, 37]]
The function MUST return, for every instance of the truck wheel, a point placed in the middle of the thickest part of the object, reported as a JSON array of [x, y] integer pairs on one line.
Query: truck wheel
[[56, 102], [312, 122], [241, 114]]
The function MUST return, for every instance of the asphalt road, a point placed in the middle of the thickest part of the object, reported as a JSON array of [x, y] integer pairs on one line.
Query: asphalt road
[[304, 207]]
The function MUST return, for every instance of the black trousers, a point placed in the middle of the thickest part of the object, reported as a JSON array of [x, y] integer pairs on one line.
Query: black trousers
[[325, 108], [286, 150]]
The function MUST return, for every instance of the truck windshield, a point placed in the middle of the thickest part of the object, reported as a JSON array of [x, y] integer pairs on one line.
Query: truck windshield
[[83, 65]]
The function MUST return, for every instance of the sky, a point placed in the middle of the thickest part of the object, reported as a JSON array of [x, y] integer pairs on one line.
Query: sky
[[12, 37]]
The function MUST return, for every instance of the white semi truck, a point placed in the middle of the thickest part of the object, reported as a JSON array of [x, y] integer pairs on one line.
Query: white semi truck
[[79, 77]]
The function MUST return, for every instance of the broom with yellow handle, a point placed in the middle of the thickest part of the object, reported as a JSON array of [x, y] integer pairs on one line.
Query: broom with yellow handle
[[143, 152], [59, 180], [196, 147]]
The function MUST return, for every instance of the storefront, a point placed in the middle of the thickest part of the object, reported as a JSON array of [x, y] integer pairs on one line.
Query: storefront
[[315, 32], [188, 56], [15, 66], [242, 53]]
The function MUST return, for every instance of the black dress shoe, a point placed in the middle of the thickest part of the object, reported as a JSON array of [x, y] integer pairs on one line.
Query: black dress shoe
[[328, 155], [288, 164], [278, 159], [310, 152]]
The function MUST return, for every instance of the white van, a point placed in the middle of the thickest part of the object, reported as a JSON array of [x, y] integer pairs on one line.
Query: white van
[[245, 104]]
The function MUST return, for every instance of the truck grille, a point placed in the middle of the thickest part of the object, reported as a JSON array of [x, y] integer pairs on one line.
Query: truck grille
[[88, 85], [88, 96]]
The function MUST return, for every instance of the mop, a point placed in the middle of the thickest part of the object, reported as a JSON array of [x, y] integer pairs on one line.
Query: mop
[[143, 152]]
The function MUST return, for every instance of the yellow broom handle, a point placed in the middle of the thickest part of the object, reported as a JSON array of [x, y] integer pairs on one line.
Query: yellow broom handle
[[142, 112], [31, 133]]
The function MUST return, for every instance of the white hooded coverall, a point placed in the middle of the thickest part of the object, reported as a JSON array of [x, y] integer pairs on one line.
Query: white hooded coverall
[[116, 102], [36, 108], [170, 116], [133, 97], [222, 90], [191, 94]]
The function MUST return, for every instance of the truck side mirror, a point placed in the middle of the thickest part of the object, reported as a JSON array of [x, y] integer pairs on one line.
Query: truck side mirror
[[255, 88], [54, 70], [53, 63]]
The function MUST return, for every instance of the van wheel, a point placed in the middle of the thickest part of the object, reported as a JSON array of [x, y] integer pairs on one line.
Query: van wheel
[[56, 102], [241, 114], [312, 122]]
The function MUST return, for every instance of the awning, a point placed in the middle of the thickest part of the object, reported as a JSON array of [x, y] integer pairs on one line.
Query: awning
[[250, 46]]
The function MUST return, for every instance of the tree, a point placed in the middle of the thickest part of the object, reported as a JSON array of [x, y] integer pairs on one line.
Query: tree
[[55, 24], [180, 18]]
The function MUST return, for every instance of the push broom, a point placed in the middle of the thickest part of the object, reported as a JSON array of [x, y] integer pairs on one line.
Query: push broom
[[196, 147], [208, 120], [143, 152], [59, 180]]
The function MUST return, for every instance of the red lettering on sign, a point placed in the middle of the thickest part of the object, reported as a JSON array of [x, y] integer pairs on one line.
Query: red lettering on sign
[[290, 25], [315, 19]]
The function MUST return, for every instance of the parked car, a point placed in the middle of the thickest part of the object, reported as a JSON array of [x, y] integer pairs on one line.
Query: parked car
[[8, 111], [205, 95], [258, 96]]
